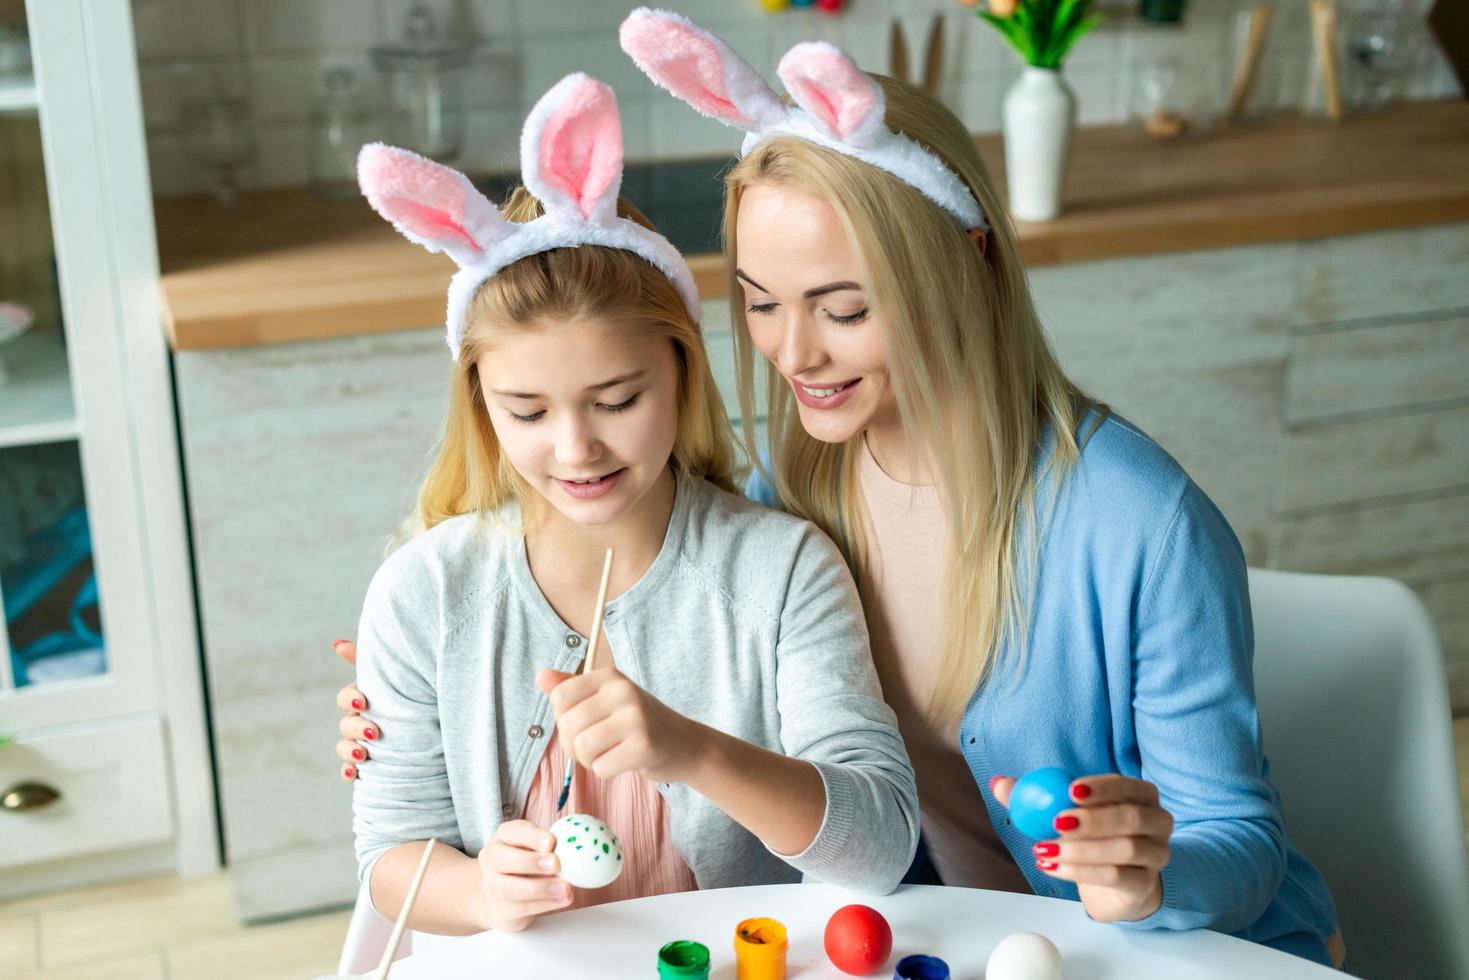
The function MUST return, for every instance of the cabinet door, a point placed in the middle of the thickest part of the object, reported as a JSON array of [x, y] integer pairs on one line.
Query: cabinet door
[[79, 637]]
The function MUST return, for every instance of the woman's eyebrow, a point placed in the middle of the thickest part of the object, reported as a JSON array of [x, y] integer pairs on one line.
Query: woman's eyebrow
[[739, 273], [600, 386], [831, 287]]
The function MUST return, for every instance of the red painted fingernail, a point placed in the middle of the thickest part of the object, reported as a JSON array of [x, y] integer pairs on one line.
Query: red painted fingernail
[[359, 755], [1080, 790], [350, 772], [993, 780], [369, 733], [356, 704], [1047, 849], [1046, 865], [1067, 822]]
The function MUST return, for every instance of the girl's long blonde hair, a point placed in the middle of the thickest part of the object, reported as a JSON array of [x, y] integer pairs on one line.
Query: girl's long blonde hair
[[589, 283], [976, 381]]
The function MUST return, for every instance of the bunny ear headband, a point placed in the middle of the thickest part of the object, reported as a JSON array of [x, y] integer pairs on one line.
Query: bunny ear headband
[[570, 159], [838, 106]]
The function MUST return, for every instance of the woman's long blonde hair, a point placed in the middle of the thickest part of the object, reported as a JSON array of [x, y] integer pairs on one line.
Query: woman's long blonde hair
[[975, 379], [589, 283]]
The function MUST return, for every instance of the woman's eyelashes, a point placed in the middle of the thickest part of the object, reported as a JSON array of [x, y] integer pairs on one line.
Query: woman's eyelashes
[[843, 318], [619, 407]]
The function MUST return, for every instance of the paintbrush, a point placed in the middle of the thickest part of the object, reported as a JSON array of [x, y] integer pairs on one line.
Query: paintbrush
[[592, 635], [402, 923]]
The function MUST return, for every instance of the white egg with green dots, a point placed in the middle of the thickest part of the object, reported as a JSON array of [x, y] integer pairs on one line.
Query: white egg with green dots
[[589, 852]]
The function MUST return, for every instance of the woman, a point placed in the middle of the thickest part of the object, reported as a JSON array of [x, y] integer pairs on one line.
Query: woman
[[1044, 586]]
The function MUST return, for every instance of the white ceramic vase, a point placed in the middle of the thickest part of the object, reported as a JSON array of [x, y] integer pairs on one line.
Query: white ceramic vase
[[1039, 116]]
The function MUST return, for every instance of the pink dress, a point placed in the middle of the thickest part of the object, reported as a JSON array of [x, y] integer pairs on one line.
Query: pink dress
[[636, 812]]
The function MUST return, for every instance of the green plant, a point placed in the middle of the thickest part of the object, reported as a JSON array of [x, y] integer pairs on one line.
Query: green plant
[[1042, 31]]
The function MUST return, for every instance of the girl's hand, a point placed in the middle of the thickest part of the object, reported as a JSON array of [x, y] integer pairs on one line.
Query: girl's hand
[[353, 728], [517, 876], [1113, 845], [610, 726]]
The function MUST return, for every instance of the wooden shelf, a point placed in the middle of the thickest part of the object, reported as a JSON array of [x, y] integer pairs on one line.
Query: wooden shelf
[[19, 94], [283, 267], [35, 400]]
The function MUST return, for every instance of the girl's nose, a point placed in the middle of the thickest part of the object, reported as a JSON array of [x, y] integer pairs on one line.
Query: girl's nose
[[577, 443]]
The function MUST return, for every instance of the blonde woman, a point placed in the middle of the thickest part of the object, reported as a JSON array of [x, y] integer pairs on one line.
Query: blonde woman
[[740, 736]]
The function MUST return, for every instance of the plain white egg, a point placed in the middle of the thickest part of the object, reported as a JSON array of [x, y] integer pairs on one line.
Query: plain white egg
[[590, 853], [1024, 956]]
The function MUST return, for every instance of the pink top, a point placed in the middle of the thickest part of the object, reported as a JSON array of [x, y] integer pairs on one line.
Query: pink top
[[899, 596], [636, 812]]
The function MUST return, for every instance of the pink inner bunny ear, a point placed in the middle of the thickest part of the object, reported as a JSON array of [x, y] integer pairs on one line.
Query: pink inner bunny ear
[[431, 204], [834, 91], [578, 150], [699, 68]]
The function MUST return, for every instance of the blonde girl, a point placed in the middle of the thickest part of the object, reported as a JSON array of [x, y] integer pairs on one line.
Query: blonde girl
[[741, 736]]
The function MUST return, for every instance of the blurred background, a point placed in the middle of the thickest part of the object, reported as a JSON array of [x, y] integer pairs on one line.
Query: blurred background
[[221, 375]]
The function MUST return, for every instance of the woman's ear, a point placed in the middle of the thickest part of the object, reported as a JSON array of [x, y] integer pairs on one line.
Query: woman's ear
[[981, 239]]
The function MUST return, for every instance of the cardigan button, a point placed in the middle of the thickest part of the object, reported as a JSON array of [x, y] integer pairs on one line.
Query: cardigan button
[[573, 641], [536, 731], [507, 811]]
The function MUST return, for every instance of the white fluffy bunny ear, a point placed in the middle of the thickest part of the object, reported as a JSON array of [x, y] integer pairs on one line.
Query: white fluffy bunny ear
[[571, 150], [838, 96], [431, 204], [700, 69]]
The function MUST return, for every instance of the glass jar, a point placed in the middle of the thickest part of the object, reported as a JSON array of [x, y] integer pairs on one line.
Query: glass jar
[[424, 78], [340, 125]]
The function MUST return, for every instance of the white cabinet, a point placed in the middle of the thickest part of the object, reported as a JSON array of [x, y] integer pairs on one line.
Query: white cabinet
[[106, 770]]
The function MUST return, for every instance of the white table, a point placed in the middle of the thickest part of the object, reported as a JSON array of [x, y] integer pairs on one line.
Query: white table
[[959, 925]]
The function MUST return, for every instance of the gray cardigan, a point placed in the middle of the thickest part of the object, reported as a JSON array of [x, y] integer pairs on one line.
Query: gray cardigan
[[747, 621]]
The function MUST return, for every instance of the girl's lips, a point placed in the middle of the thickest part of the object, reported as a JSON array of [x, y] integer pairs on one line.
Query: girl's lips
[[833, 400], [589, 491]]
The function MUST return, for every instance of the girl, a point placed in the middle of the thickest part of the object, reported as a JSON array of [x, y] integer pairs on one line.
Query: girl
[[741, 736]]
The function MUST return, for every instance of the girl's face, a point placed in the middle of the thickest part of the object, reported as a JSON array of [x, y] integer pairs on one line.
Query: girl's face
[[809, 312], [587, 413]]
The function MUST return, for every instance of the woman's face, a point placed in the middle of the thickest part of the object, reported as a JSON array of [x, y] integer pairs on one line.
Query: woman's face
[[810, 313], [587, 413]]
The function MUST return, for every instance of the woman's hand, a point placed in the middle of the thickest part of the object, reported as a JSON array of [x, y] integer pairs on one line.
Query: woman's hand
[[517, 872], [1113, 845], [354, 729], [610, 726]]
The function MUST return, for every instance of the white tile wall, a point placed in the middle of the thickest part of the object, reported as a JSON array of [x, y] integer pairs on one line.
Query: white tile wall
[[278, 50]]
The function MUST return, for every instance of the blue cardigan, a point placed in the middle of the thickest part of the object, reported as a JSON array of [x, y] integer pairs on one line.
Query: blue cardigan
[[1138, 661]]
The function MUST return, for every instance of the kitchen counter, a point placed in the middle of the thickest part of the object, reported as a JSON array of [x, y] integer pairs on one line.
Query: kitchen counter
[[285, 267]]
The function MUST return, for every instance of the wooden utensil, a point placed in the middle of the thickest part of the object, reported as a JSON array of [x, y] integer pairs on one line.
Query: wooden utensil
[[897, 52], [933, 60], [1247, 66], [397, 935], [1323, 28], [586, 664]]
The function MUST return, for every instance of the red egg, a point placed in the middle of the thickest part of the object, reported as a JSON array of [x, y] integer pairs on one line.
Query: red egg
[[829, 6], [858, 939]]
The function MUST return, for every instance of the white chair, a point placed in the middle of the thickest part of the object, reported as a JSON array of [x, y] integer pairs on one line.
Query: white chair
[[367, 937], [1355, 713]]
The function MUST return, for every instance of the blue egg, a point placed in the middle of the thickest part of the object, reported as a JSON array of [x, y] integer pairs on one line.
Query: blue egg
[[1036, 800]]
